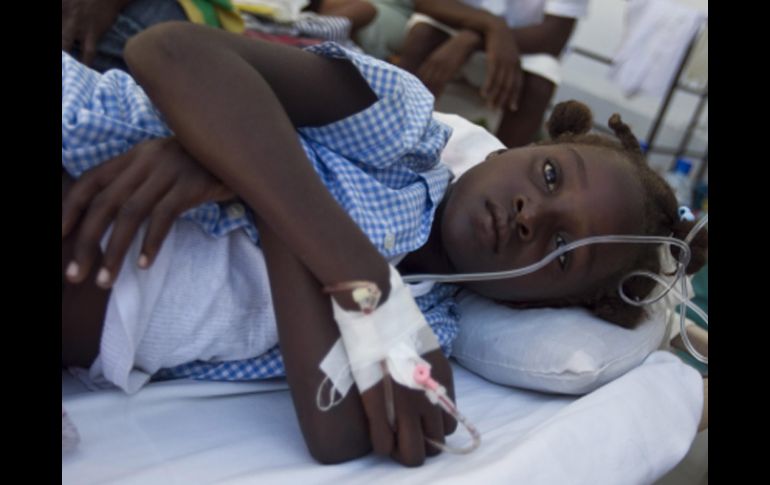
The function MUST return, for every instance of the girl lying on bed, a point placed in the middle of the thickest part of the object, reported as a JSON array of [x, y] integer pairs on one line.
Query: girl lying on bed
[[321, 167]]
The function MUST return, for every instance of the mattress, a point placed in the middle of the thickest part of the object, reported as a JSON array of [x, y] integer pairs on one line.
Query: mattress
[[632, 430]]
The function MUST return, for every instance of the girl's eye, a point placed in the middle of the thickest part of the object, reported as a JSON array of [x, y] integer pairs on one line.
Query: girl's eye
[[562, 258], [550, 175]]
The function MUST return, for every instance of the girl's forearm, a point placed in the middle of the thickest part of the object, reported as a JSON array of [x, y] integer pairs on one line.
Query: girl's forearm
[[234, 103], [306, 331]]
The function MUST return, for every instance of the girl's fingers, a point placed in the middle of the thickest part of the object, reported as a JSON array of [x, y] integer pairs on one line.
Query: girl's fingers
[[84, 189], [162, 218], [75, 202], [92, 228], [410, 442], [100, 213], [131, 215], [433, 428], [379, 431]]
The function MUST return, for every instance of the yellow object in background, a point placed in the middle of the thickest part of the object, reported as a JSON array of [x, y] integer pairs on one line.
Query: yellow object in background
[[256, 8], [214, 13], [277, 10]]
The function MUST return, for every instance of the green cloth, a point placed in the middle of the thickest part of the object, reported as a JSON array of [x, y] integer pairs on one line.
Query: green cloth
[[383, 36], [214, 13]]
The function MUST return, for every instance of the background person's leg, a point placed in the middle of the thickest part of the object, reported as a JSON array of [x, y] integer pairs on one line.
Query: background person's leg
[[520, 127], [421, 40]]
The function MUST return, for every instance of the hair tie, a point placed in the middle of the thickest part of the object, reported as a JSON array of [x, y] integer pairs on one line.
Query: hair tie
[[685, 214]]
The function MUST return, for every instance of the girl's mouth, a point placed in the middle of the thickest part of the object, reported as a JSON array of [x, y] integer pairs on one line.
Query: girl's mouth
[[501, 226]]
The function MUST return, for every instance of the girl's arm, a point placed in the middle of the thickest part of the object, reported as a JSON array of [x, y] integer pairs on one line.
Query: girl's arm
[[158, 181], [306, 330], [234, 104], [339, 434]]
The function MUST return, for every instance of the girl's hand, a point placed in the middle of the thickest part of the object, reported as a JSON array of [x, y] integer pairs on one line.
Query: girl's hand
[[504, 75], [155, 181], [415, 417]]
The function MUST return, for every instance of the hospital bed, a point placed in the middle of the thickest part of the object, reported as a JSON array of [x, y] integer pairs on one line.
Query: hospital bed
[[632, 430]]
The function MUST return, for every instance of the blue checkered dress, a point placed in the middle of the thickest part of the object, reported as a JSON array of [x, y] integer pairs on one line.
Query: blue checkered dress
[[381, 165]]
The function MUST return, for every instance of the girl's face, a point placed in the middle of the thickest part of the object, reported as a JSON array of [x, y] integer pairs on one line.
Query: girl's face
[[521, 204]]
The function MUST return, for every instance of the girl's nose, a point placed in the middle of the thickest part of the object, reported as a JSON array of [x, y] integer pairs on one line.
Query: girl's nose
[[526, 214]]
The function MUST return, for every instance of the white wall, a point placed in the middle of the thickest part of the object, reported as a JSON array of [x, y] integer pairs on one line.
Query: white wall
[[584, 79]]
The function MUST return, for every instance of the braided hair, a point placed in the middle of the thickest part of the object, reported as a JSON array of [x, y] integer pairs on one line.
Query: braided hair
[[570, 123]]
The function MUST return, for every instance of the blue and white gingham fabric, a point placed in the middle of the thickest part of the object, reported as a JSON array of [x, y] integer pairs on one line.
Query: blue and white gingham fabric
[[381, 165], [438, 306], [104, 115]]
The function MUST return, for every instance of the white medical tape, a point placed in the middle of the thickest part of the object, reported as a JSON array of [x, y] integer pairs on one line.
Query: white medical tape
[[396, 332], [335, 366]]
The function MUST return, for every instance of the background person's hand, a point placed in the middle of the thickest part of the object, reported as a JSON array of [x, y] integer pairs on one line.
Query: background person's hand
[[84, 22], [444, 62], [504, 79], [416, 418], [155, 181]]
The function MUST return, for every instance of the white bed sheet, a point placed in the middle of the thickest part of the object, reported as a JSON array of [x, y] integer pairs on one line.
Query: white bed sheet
[[632, 430]]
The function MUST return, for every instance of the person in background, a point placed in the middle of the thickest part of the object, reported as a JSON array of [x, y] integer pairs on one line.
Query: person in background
[[96, 31], [509, 49]]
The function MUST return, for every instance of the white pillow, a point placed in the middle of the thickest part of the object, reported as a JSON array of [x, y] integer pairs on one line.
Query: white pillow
[[469, 144], [560, 350], [564, 350]]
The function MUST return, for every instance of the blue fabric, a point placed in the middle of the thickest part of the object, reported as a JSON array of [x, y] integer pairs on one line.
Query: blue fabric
[[381, 165], [438, 306]]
